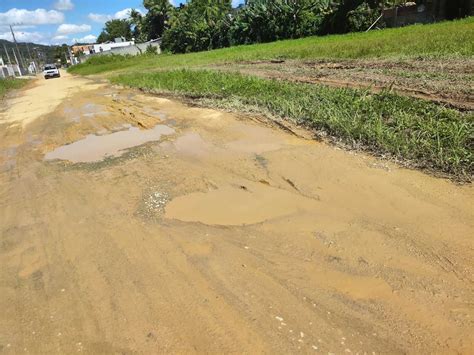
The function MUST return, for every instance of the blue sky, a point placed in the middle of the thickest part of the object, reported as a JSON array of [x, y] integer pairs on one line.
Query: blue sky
[[62, 21]]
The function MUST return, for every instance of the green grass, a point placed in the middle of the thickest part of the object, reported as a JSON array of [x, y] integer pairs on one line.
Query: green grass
[[441, 40], [10, 84], [411, 129]]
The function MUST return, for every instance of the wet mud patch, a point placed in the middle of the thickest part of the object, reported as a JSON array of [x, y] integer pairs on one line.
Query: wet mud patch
[[85, 111], [242, 204]]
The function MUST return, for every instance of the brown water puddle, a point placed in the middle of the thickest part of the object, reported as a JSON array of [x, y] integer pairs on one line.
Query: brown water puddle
[[255, 139], [238, 205], [98, 147], [192, 144]]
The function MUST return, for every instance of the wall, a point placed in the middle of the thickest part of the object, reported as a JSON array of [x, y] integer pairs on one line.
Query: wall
[[9, 70], [132, 50], [110, 46]]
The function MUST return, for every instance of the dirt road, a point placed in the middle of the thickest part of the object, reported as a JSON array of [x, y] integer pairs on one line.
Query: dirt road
[[136, 224]]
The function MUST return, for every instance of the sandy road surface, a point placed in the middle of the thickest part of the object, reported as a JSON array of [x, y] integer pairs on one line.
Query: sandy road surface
[[202, 231]]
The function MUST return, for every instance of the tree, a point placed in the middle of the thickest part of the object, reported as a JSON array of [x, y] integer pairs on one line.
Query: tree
[[270, 20], [61, 53], [115, 29], [156, 20], [103, 37], [198, 25], [137, 23]]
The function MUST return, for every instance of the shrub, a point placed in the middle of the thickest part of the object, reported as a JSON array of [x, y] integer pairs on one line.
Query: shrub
[[151, 50]]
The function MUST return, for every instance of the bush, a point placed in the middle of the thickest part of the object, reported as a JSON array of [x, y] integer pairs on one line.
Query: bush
[[151, 50]]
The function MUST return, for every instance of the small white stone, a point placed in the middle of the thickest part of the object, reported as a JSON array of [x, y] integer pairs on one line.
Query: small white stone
[[59, 334], [279, 318], [63, 289], [314, 347], [302, 334]]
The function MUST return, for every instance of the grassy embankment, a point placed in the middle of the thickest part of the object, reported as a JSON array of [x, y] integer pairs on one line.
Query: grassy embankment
[[442, 40], [425, 134], [10, 84]]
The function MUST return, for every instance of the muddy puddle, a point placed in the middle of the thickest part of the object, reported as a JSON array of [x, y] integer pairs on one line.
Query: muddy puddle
[[255, 139], [192, 144], [94, 148], [238, 205]]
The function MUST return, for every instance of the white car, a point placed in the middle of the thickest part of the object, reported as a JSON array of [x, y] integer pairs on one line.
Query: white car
[[51, 71]]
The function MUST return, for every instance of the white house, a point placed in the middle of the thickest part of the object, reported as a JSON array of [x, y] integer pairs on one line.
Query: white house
[[105, 47]]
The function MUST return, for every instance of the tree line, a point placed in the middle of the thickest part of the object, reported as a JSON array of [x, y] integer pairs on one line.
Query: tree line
[[209, 24]]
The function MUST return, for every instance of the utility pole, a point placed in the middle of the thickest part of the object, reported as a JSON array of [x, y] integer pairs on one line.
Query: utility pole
[[16, 58], [17, 49], [19, 66], [8, 56], [31, 59]]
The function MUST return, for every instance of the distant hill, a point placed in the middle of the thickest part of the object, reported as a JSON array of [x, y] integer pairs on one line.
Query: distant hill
[[44, 54]]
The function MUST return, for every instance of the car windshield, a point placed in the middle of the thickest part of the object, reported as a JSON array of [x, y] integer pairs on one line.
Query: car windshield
[[49, 67]]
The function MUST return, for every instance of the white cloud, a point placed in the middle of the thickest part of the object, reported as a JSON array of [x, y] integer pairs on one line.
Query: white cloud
[[27, 17], [85, 39], [119, 15], [59, 38], [123, 14], [23, 36], [67, 29], [99, 18], [5, 28], [64, 5]]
